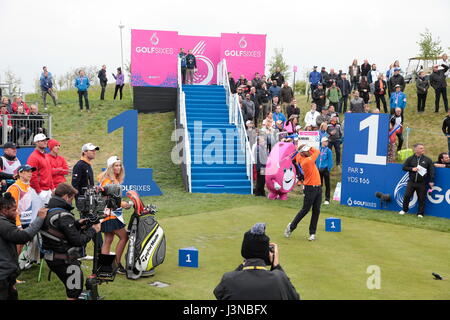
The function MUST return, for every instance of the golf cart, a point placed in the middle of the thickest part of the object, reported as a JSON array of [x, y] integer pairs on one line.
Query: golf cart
[[417, 64]]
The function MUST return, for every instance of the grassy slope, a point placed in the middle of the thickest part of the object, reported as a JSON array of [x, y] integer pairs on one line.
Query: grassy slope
[[73, 129]]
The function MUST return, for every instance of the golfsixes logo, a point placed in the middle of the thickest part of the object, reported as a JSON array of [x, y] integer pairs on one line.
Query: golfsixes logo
[[154, 48]]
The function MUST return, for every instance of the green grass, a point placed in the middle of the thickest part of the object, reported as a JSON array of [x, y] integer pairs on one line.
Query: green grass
[[333, 267], [218, 222]]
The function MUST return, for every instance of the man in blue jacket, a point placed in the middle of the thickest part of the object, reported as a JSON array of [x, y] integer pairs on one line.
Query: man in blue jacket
[[274, 90], [398, 100], [82, 84], [182, 56], [191, 67], [324, 163], [47, 88], [314, 79]]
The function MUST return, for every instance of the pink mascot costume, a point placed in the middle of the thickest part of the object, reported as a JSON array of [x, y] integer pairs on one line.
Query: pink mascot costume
[[281, 174]]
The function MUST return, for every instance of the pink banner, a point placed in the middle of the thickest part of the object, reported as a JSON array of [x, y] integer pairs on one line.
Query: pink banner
[[245, 53], [154, 58], [207, 54]]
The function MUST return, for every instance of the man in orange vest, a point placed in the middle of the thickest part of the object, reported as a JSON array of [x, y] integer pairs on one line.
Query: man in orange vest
[[313, 191]]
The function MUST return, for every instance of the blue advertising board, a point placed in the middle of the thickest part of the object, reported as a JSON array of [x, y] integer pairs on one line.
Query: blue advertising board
[[138, 179], [365, 170]]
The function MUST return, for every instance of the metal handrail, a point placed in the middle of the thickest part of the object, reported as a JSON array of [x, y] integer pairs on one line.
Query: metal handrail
[[32, 124], [236, 118], [183, 122]]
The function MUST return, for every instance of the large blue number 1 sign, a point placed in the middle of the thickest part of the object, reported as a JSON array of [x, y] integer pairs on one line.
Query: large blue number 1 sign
[[138, 179]]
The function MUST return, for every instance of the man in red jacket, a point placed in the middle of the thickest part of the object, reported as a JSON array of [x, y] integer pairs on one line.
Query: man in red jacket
[[59, 165], [41, 181]]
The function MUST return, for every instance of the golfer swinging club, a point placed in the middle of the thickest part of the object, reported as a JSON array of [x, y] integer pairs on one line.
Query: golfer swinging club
[[313, 191]]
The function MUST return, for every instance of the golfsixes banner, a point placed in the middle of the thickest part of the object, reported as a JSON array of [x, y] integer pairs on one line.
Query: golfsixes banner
[[365, 170]]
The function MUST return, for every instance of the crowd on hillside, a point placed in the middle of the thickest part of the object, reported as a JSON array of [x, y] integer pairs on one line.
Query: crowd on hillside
[[271, 113]]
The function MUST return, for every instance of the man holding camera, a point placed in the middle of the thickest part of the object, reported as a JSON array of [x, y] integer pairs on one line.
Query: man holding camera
[[62, 239], [83, 175], [251, 280]]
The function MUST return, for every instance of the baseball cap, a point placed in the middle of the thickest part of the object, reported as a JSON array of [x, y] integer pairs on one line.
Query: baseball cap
[[89, 147], [40, 137], [397, 86], [112, 160], [249, 121], [315, 67], [324, 139], [396, 69], [53, 143], [298, 127], [26, 167], [305, 149], [10, 145]]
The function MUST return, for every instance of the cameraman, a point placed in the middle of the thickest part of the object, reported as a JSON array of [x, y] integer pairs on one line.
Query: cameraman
[[83, 177], [62, 237], [251, 280]]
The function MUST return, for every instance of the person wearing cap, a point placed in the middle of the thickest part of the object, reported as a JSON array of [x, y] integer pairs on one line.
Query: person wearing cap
[[83, 178], [396, 79], [251, 280], [319, 97], [9, 163], [41, 181], [307, 157], [398, 99], [314, 79], [82, 173], [324, 163], [438, 81], [114, 224], [25, 196], [60, 169], [323, 117]]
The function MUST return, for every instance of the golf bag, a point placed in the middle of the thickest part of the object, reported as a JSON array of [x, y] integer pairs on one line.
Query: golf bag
[[147, 242]]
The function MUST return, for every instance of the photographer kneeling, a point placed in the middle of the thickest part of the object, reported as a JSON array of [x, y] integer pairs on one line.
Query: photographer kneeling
[[62, 237], [251, 280]]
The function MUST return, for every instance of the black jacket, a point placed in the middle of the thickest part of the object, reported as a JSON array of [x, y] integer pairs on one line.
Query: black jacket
[[330, 78], [290, 110], [365, 69], [191, 62], [286, 94], [345, 86], [446, 126], [425, 162], [10, 236], [422, 85], [317, 99], [232, 85], [256, 284], [263, 96], [378, 88], [278, 77], [68, 226], [438, 79], [102, 76], [82, 176], [395, 80]]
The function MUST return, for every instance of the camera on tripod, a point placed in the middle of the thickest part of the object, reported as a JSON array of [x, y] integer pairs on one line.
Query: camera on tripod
[[95, 200], [92, 205]]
